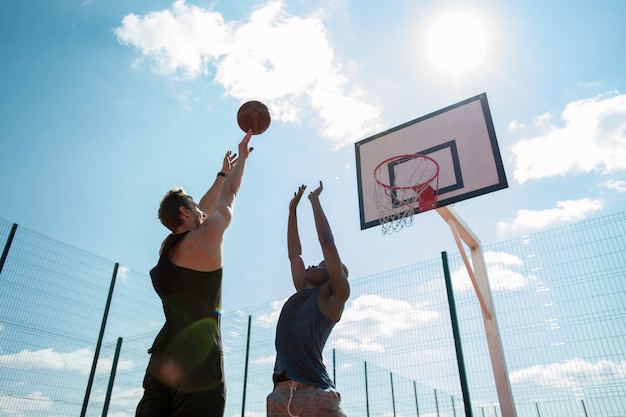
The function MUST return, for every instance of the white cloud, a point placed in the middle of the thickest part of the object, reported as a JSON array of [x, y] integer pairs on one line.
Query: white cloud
[[121, 399], [180, 40], [122, 273], [18, 406], [269, 320], [592, 138], [285, 61], [571, 374], [564, 212], [80, 360], [503, 271], [370, 320], [366, 322], [617, 185], [266, 360]]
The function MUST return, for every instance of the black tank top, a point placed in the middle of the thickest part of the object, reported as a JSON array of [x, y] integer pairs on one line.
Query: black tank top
[[192, 306]]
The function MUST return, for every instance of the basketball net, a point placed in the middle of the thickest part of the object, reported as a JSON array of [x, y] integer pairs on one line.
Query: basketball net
[[405, 185]]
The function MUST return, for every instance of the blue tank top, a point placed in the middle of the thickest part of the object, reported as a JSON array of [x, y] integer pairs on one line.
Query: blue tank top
[[301, 335]]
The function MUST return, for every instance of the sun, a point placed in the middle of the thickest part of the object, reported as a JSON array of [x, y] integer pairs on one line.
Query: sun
[[457, 42]]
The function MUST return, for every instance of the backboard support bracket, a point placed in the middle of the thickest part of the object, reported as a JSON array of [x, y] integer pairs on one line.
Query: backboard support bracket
[[477, 271]]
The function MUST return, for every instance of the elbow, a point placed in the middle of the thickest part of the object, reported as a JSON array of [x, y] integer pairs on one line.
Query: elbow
[[326, 239]]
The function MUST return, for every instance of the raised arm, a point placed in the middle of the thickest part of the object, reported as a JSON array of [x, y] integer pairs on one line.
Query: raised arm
[[208, 200], [338, 286], [294, 248], [230, 188], [218, 220], [201, 249]]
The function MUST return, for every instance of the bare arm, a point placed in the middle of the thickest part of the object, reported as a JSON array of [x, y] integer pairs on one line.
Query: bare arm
[[202, 248], [294, 248], [219, 219], [338, 286], [208, 200], [226, 200]]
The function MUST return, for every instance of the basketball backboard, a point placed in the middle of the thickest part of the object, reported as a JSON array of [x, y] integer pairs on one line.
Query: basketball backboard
[[460, 138]]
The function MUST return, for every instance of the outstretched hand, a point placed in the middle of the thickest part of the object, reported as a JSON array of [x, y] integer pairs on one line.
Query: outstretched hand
[[296, 197], [316, 193], [230, 159], [244, 150]]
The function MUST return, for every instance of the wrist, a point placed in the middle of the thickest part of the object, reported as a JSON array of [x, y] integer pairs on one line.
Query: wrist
[[222, 174]]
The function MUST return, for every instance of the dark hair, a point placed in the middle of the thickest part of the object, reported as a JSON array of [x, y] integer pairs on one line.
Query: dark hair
[[169, 212]]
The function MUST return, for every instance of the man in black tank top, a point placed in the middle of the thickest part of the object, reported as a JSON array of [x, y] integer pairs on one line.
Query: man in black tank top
[[185, 375], [302, 385]]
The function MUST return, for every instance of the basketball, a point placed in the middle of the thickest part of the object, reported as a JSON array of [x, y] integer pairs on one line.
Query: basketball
[[253, 115]]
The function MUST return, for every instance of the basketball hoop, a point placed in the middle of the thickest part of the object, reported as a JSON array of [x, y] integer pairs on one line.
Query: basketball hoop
[[405, 185]]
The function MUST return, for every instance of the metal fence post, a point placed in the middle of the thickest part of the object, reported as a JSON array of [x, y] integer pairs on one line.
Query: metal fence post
[[393, 395], [107, 399], [245, 374], [584, 407], [7, 246], [417, 407], [334, 369], [99, 343], [367, 397], [457, 336]]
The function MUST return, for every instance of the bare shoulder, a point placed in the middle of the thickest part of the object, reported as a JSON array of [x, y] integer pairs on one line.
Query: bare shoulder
[[198, 252]]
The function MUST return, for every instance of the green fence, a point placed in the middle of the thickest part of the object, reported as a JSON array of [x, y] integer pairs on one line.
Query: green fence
[[559, 297]]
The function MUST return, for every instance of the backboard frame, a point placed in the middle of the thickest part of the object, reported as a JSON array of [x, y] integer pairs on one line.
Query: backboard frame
[[464, 143]]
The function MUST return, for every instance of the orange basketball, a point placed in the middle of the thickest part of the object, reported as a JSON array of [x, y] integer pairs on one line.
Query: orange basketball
[[253, 115]]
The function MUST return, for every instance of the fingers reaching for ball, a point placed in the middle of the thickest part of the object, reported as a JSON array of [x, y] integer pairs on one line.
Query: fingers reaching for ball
[[244, 149]]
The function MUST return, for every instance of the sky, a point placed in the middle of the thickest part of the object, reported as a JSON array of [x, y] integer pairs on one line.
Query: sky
[[107, 104]]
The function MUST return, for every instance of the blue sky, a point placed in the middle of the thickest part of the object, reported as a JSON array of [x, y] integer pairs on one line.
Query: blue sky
[[107, 104]]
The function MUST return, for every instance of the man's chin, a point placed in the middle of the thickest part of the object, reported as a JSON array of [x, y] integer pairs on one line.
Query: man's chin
[[316, 282]]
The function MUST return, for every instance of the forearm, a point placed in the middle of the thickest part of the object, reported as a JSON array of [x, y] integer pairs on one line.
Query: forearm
[[232, 183], [294, 246], [209, 199], [337, 277], [322, 226]]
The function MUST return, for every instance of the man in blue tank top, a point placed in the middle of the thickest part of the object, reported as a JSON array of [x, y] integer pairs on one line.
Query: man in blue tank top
[[185, 375], [302, 386]]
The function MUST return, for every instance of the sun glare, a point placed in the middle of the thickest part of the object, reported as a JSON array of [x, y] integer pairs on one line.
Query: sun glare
[[457, 43]]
